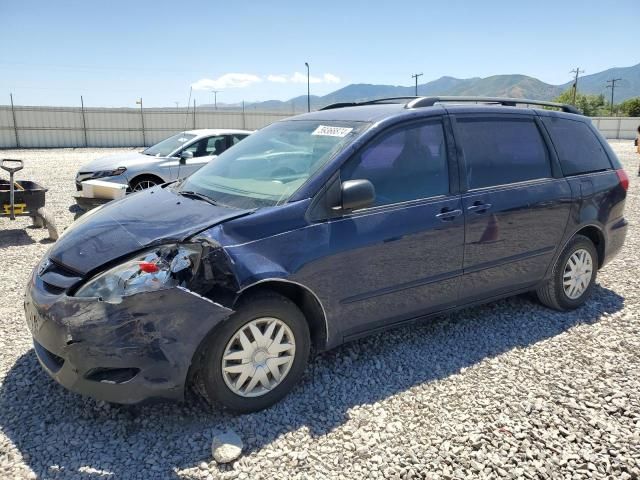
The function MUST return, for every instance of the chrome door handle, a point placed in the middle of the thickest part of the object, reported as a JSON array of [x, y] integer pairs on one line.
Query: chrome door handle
[[449, 215], [479, 208]]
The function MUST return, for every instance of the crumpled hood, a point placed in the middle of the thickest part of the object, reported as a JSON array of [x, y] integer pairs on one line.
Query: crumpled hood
[[151, 217], [112, 162]]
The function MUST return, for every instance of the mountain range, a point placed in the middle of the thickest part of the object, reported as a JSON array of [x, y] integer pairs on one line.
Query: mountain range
[[514, 85]]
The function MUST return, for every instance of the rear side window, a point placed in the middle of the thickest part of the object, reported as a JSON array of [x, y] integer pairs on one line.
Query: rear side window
[[500, 151], [579, 150]]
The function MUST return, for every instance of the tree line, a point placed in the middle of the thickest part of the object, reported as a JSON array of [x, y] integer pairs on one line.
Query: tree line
[[598, 106]]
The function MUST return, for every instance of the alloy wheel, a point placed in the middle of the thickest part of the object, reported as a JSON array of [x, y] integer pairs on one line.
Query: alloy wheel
[[143, 185]]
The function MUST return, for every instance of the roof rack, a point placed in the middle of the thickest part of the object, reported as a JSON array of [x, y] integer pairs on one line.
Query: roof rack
[[419, 102], [507, 102], [370, 102]]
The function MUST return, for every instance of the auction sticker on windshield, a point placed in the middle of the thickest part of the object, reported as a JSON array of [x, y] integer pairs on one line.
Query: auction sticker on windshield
[[332, 131]]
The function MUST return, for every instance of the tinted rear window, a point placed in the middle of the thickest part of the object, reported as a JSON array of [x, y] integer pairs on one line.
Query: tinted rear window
[[500, 151], [579, 150]]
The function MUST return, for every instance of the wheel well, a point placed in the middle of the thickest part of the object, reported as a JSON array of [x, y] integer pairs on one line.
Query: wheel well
[[595, 235], [304, 299]]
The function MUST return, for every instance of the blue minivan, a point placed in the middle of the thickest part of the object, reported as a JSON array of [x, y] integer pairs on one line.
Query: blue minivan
[[320, 229]]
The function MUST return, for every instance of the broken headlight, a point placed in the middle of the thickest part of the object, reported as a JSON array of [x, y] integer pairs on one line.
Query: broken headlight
[[158, 268]]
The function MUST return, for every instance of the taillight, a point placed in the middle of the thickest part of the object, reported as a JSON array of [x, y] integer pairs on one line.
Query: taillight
[[623, 178]]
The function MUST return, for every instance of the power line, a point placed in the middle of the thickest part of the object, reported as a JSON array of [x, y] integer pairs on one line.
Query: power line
[[613, 88], [577, 71], [416, 75]]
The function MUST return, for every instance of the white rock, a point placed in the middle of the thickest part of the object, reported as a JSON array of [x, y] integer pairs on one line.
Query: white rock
[[226, 447]]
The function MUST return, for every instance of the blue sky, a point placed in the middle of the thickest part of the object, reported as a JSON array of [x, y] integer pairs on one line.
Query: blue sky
[[114, 51]]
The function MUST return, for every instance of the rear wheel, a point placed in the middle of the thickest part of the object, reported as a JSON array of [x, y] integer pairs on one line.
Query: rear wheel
[[257, 356], [573, 276], [144, 182]]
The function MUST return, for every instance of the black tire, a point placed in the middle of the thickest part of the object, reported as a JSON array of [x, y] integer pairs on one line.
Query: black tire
[[552, 293], [211, 383], [49, 222], [144, 181]]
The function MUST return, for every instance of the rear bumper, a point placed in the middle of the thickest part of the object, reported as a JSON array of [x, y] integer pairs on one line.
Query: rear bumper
[[136, 350], [616, 232]]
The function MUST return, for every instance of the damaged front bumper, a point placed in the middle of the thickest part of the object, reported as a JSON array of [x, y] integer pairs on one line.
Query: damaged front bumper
[[136, 350]]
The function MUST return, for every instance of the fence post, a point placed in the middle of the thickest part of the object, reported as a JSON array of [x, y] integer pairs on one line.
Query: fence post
[[194, 113], [15, 125], [144, 138], [84, 122], [244, 122], [618, 129]]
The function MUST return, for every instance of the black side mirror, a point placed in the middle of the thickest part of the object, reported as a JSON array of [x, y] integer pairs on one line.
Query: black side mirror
[[357, 194], [184, 156]]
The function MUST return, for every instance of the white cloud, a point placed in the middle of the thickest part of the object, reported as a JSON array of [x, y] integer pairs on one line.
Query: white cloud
[[228, 80], [278, 78], [298, 77], [330, 78]]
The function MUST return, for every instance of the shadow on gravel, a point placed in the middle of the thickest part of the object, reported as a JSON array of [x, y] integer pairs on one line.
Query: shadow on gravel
[[14, 237], [63, 435]]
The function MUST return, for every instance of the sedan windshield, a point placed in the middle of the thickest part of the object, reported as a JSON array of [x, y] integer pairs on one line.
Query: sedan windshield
[[270, 165], [168, 145]]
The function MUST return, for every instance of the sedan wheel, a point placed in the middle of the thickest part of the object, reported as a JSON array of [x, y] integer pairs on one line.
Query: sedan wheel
[[258, 357], [143, 185]]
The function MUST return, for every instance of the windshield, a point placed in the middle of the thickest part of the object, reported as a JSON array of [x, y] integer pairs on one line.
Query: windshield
[[267, 167], [165, 147]]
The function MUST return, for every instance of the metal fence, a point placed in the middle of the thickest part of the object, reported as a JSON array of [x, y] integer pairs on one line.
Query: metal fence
[[42, 127], [617, 127]]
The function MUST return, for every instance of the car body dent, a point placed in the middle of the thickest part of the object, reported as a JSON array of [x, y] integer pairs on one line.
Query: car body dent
[[137, 221], [138, 332]]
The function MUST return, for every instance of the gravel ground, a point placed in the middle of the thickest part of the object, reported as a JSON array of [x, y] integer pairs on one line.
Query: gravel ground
[[506, 390]]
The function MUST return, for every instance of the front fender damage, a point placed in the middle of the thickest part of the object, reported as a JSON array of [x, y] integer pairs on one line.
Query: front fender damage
[[155, 333]]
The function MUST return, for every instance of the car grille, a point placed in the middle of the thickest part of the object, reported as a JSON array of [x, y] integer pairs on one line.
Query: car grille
[[81, 177], [57, 278]]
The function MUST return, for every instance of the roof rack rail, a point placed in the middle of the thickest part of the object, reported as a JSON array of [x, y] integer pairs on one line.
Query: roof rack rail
[[369, 102], [418, 102], [507, 102]]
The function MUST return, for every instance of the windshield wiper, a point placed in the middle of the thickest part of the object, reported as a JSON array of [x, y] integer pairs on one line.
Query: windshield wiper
[[200, 196]]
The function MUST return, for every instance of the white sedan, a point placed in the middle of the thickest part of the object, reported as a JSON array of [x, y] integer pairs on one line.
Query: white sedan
[[175, 157]]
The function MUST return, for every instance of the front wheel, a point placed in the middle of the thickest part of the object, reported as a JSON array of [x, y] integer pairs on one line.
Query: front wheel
[[142, 183], [573, 276], [257, 356]]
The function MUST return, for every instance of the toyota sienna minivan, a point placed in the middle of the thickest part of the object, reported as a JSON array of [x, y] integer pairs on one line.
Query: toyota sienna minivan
[[320, 229]]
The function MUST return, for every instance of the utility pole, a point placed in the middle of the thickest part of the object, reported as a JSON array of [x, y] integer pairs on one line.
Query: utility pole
[[308, 89], [177, 105], [416, 75], [577, 71], [612, 87]]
